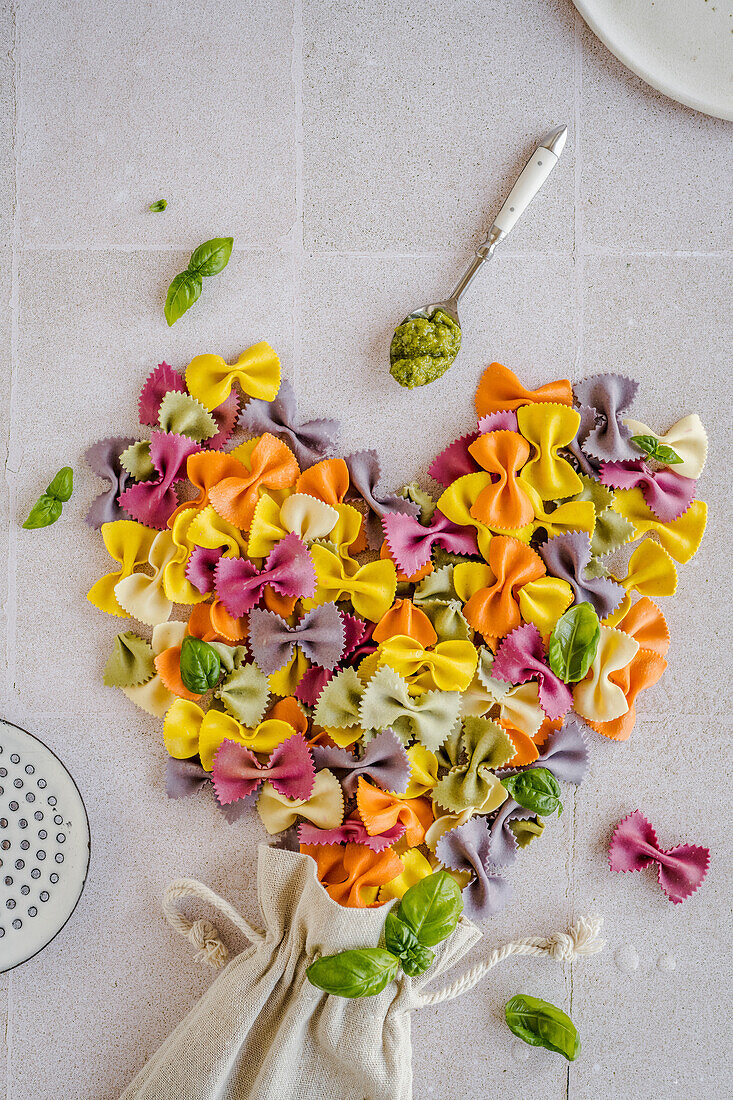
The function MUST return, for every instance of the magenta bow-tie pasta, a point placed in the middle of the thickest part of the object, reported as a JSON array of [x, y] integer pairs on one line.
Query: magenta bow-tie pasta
[[456, 460], [154, 502], [104, 460], [668, 494], [309, 440], [411, 543], [567, 556], [288, 570], [384, 762], [237, 772], [162, 380], [201, 567], [352, 831], [364, 471], [680, 870], [521, 657], [467, 848], [319, 635], [357, 637], [609, 395]]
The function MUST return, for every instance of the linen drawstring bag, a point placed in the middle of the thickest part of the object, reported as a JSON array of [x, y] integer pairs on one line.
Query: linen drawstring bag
[[264, 1031]]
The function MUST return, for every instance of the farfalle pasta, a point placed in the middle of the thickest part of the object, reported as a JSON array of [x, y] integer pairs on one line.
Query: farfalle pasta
[[380, 666]]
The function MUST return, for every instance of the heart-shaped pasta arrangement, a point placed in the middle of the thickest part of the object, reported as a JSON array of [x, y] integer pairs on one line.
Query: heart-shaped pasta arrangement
[[392, 681]]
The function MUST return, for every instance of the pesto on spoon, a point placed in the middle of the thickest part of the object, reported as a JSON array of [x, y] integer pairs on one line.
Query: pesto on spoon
[[427, 342]]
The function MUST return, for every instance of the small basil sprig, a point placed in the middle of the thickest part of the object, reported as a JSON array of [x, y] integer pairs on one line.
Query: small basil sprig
[[47, 508], [208, 259], [200, 665], [660, 452], [535, 789], [541, 1024], [427, 914], [158, 205], [574, 642]]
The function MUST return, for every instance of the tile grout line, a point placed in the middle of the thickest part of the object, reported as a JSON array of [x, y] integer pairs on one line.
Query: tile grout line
[[297, 250]]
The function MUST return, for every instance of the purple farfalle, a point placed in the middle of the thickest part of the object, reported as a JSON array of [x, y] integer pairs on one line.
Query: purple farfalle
[[454, 461], [564, 753], [319, 635], [585, 463], [104, 459], [384, 762], [467, 848], [411, 542], [668, 494], [315, 678], [158, 383], [310, 441], [566, 556], [610, 395], [364, 473], [154, 502], [502, 841], [521, 657]]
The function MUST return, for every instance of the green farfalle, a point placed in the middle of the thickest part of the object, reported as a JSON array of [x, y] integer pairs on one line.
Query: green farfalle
[[448, 620], [526, 831], [438, 585], [386, 701], [418, 496], [497, 689], [184, 415], [244, 693], [611, 530], [231, 657], [136, 460], [449, 753], [337, 706], [130, 662], [473, 784]]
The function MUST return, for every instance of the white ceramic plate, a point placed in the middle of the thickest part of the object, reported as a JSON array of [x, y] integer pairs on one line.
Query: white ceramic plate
[[683, 48]]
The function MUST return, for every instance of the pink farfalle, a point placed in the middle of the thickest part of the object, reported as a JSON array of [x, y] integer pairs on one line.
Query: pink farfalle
[[225, 416], [680, 870], [521, 657], [153, 502], [201, 567], [504, 420], [352, 831], [668, 494], [411, 544], [237, 772], [158, 383], [454, 461], [311, 684], [288, 570]]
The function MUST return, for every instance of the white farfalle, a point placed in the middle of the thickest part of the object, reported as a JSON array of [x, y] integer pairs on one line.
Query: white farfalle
[[597, 697], [144, 597], [520, 708], [687, 437]]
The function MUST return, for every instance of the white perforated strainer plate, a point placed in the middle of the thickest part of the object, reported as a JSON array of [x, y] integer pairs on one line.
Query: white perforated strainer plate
[[44, 845]]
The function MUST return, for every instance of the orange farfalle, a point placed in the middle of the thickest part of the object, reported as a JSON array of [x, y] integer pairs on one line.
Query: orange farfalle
[[327, 480], [645, 622], [526, 749], [644, 669], [205, 470], [505, 503], [211, 622], [281, 605], [494, 611], [353, 873], [289, 710], [550, 725], [168, 667], [500, 388], [271, 464], [380, 811], [200, 625], [406, 619], [421, 574]]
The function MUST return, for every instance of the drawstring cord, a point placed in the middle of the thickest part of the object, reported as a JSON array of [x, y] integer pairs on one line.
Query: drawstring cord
[[201, 933]]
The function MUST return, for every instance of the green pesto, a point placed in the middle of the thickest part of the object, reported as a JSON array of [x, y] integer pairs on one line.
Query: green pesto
[[422, 349]]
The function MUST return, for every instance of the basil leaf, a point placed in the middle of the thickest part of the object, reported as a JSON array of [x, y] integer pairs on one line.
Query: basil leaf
[[62, 485], [432, 908], [403, 942], [536, 789], [645, 443], [44, 512], [541, 1024], [182, 293], [358, 973], [200, 665], [158, 205], [573, 642], [666, 454], [211, 257]]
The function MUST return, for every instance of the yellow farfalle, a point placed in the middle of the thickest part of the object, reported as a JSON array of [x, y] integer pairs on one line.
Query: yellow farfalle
[[448, 666], [129, 543], [286, 679], [210, 530], [651, 572], [371, 588], [188, 731], [456, 503], [299, 514], [176, 584], [423, 771], [680, 537], [324, 808], [573, 515], [543, 601], [144, 597], [153, 696], [415, 866], [257, 370], [687, 438], [548, 427], [597, 697]]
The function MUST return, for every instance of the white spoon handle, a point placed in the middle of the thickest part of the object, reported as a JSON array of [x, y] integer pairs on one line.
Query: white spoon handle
[[530, 180]]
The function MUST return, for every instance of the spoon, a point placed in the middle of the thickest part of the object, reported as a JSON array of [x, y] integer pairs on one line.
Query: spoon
[[528, 183]]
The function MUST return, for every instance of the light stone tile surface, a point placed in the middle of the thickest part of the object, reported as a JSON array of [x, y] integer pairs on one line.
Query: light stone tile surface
[[355, 152]]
